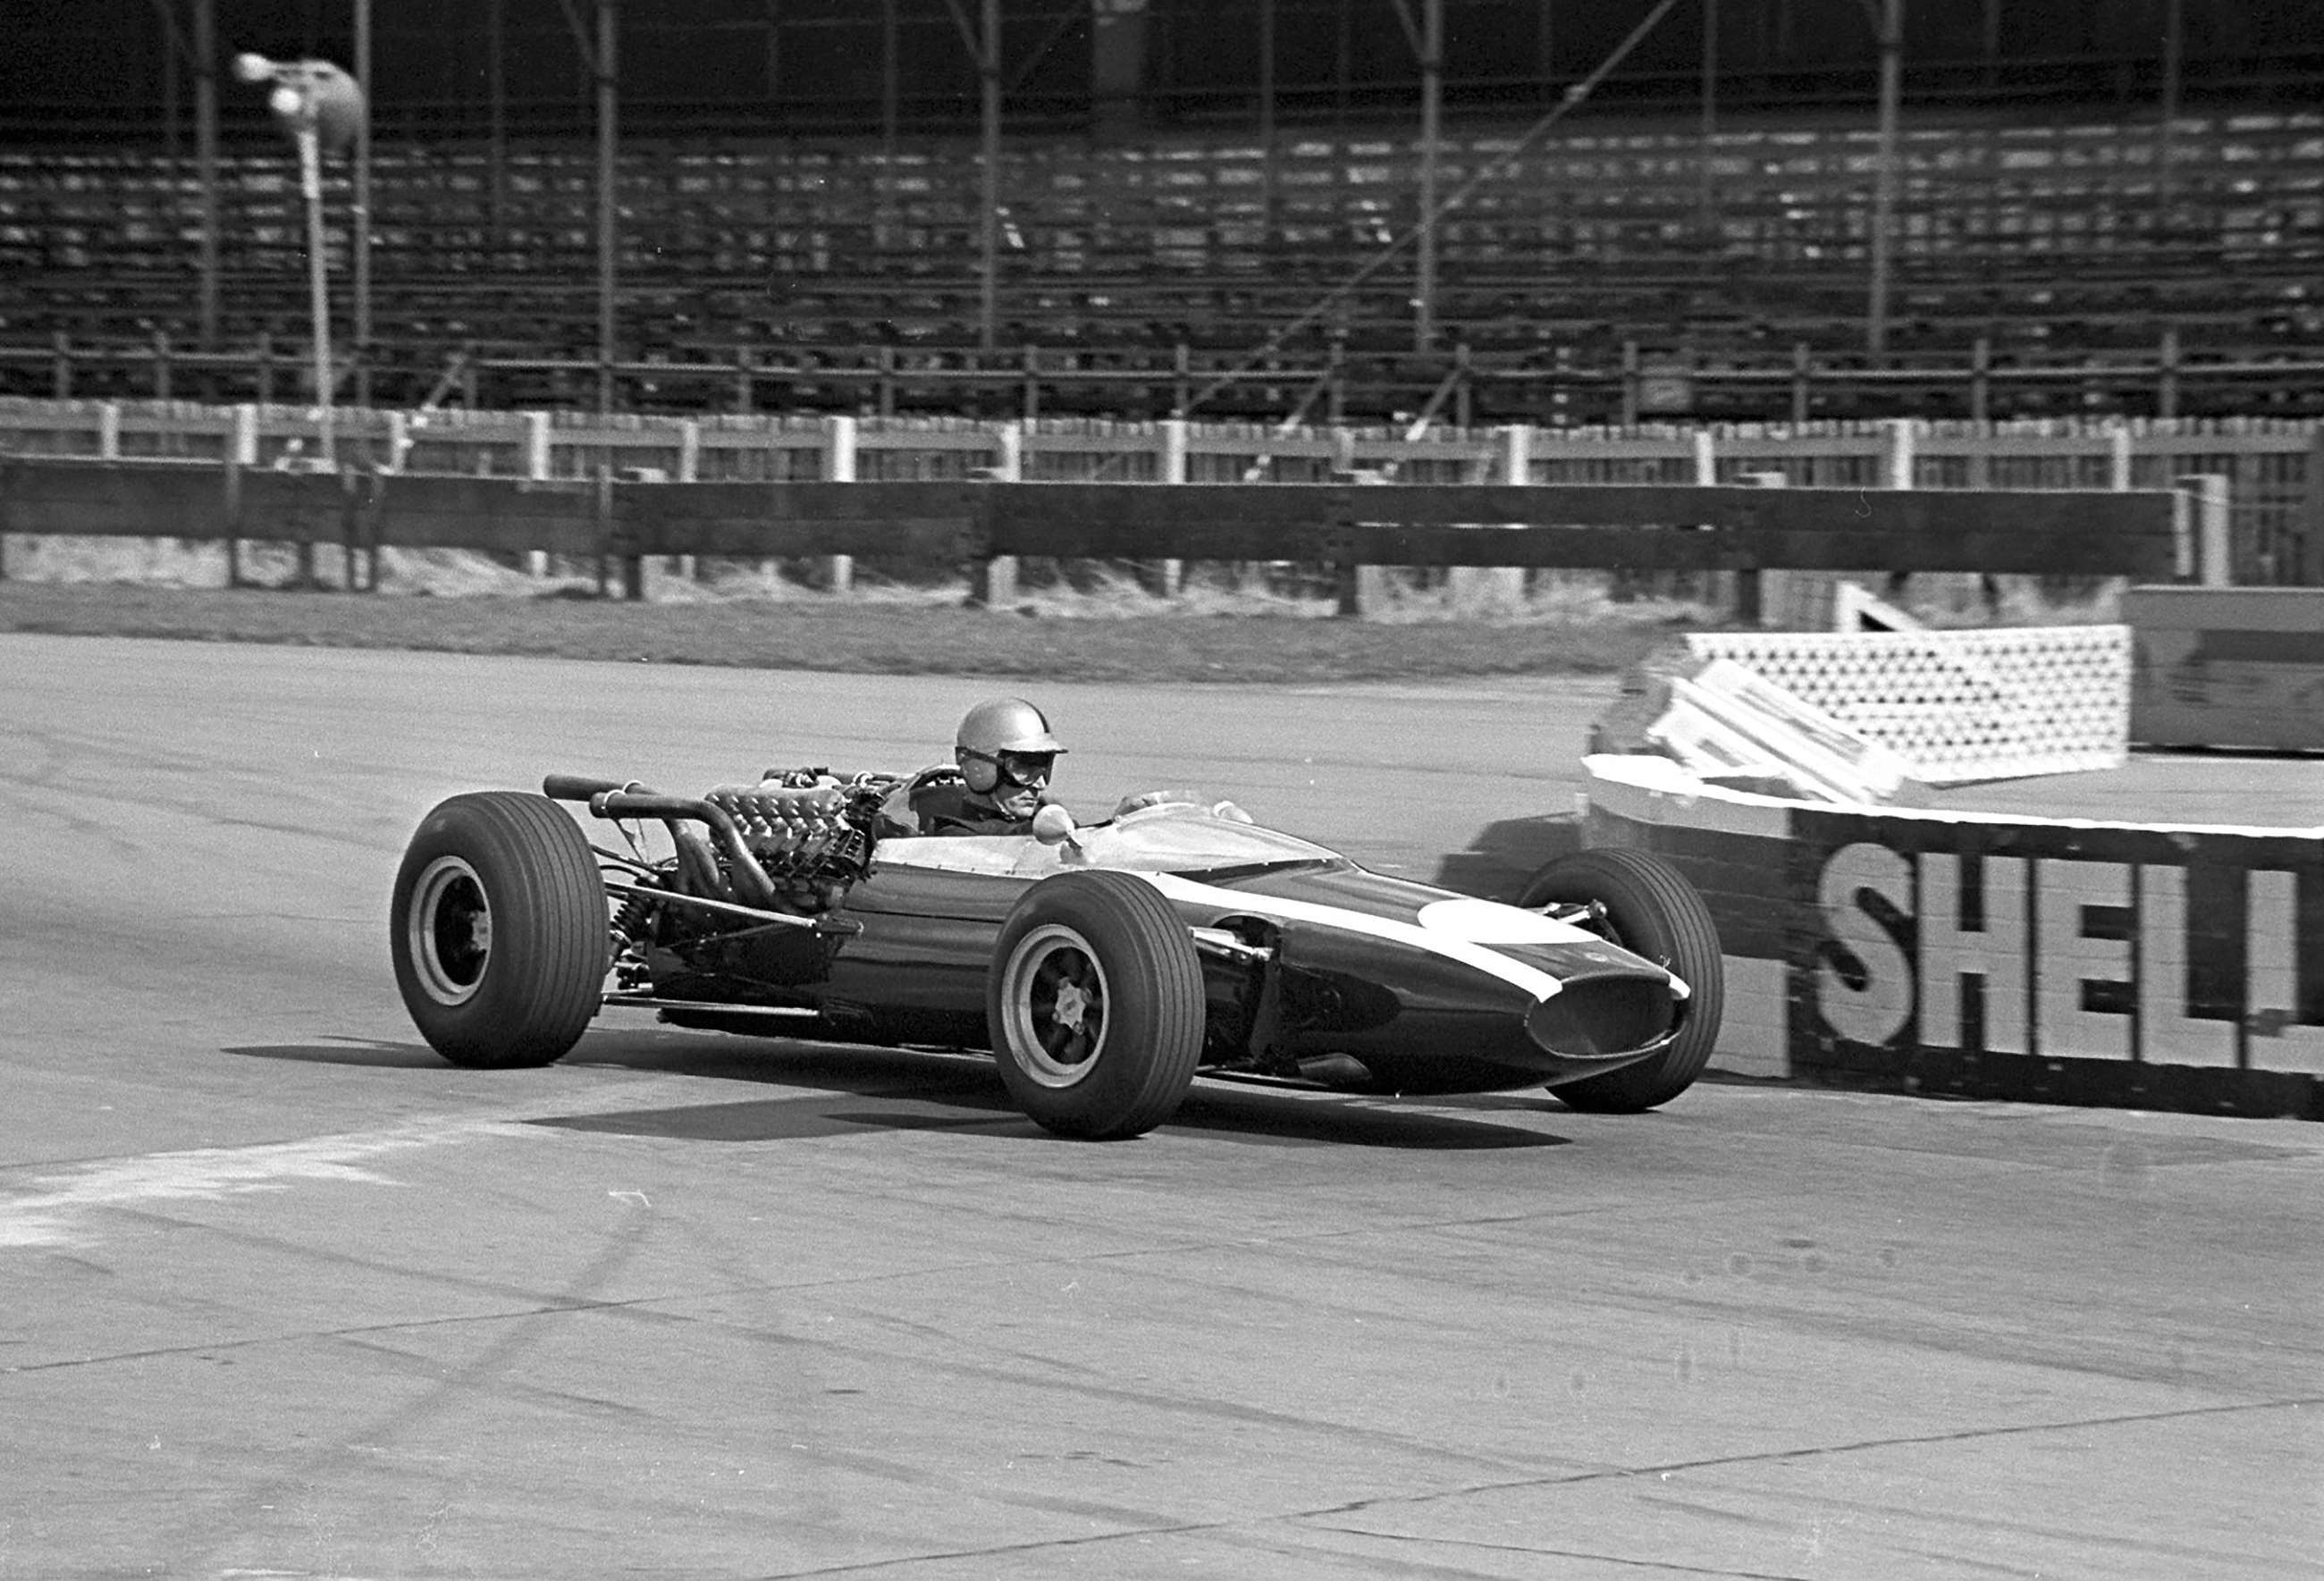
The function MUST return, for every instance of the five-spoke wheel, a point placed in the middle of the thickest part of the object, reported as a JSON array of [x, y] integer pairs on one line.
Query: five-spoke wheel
[[1651, 910], [1095, 1005], [498, 930]]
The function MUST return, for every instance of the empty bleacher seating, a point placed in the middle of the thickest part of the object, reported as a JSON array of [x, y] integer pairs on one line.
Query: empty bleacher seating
[[2060, 240]]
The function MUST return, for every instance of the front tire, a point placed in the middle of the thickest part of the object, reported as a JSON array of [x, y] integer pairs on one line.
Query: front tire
[[499, 931], [1651, 910], [1094, 1005]]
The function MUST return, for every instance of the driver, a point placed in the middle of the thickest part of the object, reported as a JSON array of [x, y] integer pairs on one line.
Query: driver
[[1005, 752]]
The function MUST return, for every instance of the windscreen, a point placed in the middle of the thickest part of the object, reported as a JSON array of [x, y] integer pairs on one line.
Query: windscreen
[[1176, 837], [1181, 837]]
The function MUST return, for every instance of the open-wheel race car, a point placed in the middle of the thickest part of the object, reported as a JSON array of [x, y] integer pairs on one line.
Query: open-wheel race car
[[1104, 965]]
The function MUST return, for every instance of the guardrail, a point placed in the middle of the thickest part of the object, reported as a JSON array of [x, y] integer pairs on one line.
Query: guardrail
[[986, 526], [2261, 491]]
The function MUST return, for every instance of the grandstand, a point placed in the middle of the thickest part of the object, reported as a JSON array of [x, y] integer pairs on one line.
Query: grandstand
[[2085, 219]]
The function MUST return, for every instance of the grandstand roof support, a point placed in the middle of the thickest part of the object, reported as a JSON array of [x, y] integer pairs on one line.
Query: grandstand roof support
[[989, 282], [2166, 149], [497, 122], [604, 66], [890, 86], [1888, 20], [1426, 35], [608, 204], [984, 43], [1117, 69], [1706, 194], [1266, 123], [359, 221], [206, 141], [200, 55]]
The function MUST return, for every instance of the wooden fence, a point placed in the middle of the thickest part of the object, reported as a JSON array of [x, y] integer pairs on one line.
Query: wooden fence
[[2267, 477], [1650, 527], [621, 514]]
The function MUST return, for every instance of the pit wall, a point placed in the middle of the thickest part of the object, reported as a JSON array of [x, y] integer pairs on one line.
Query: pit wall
[[2042, 960]]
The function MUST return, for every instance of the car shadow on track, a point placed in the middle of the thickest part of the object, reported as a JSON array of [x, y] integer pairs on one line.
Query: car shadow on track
[[370, 1053], [860, 1090], [928, 1089], [1246, 1114]]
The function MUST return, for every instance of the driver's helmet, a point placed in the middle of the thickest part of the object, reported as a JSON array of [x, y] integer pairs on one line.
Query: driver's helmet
[[1005, 739]]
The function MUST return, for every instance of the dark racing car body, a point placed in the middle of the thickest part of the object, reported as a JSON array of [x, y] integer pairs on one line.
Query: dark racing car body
[[1104, 965]]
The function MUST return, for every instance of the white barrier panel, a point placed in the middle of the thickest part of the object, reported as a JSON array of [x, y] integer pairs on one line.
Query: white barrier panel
[[1854, 608], [1818, 754], [1962, 706], [2164, 966]]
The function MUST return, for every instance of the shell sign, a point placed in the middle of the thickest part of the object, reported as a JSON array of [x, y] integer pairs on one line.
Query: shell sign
[[2027, 958]]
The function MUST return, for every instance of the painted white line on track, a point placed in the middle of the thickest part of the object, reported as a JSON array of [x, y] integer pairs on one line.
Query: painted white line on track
[[46, 1215]]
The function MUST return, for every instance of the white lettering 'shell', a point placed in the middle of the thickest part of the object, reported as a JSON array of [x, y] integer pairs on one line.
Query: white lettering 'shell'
[[1875, 1009], [2036, 947]]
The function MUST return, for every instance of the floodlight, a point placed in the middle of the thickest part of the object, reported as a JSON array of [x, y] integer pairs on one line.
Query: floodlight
[[308, 94], [321, 107]]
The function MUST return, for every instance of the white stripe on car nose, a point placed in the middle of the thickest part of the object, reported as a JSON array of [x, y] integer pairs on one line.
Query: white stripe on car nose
[[1516, 973]]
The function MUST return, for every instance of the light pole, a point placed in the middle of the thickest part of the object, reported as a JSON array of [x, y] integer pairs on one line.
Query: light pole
[[320, 107]]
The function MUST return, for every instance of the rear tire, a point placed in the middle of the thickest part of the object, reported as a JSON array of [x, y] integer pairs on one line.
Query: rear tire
[[499, 931], [1651, 910], [1094, 1005]]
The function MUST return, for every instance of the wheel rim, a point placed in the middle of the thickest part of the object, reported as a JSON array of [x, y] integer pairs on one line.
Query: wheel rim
[[450, 930], [1603, 926], [1054, 995]]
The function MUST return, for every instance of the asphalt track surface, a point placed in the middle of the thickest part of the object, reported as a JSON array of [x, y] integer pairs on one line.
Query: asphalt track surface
[[285, 1296]]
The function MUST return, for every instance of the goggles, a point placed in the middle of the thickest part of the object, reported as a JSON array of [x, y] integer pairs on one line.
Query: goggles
[[1025, 770]]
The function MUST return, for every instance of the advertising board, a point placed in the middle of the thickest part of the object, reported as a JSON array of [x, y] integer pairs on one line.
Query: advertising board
[[2062, 959]]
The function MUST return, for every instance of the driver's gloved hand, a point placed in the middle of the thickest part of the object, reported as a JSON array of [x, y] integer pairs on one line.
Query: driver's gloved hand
[[1138, 801], [1156, 798]]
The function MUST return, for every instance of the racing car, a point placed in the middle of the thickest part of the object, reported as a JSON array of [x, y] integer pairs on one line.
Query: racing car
[[1104, 965]]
